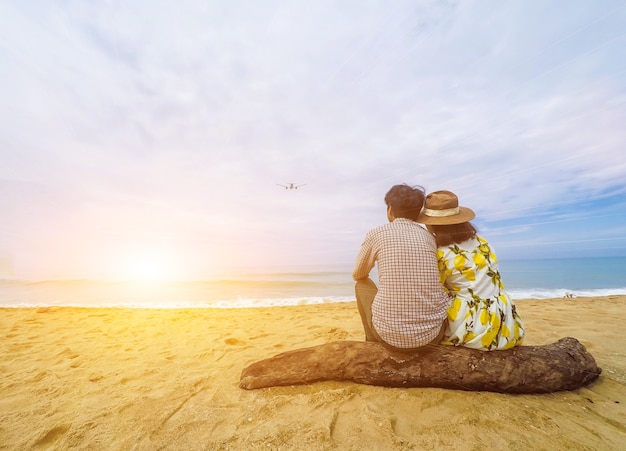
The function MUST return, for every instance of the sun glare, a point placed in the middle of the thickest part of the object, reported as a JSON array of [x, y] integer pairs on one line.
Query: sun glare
[[149, 267], [148, 270]]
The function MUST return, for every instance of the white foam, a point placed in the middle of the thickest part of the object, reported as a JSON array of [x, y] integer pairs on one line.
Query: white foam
[[222, 303], [542, 293]]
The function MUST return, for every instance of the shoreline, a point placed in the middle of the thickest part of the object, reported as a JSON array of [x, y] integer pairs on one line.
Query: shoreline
[[219, 294], [145, 378]]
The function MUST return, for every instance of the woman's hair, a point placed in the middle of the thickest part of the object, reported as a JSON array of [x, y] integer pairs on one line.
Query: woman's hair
[[405, 201], [452, 233]]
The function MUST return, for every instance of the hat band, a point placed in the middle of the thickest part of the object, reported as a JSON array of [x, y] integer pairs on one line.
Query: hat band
[[441, 213]]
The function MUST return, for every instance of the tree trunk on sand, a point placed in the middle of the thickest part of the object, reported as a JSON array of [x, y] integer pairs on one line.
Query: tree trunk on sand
[[564, 365]]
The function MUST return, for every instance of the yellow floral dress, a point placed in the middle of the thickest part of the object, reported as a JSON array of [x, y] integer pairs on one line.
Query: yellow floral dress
[[482, 315]]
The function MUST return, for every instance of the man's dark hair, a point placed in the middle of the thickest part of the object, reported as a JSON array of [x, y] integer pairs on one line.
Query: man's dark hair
[[405, 201]]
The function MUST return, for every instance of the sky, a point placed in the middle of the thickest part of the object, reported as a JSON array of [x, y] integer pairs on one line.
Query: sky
[[147, 139]]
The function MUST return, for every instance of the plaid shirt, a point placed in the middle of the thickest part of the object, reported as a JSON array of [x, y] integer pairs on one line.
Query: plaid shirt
[[411, 304]]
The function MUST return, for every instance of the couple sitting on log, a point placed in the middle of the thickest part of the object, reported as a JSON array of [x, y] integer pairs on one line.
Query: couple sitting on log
[[438, 284]]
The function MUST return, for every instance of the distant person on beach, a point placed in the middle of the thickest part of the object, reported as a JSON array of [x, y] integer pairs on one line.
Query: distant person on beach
[[407, 309], [482, 314]]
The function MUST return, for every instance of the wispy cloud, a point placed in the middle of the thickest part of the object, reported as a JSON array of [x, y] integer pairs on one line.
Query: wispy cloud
[[170, 124]]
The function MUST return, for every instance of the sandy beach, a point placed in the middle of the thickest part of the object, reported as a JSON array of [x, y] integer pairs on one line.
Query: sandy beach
[[145, 379]]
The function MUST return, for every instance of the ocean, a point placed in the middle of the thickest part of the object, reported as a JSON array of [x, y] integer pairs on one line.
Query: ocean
[[523, 279]]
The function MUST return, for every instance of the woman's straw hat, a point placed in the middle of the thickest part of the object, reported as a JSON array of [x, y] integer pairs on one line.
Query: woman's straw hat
[[442, 208]]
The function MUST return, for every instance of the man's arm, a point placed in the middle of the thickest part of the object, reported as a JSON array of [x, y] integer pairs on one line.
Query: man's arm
[[365, 261]]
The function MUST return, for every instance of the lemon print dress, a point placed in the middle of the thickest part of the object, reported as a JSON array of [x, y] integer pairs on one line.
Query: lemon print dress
[[482, 315]]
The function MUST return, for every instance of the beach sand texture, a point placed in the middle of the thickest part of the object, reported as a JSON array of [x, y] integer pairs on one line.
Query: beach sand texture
[[145, 379]]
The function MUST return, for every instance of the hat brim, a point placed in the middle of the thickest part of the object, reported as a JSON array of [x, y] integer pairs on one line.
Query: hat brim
[[465, 214]]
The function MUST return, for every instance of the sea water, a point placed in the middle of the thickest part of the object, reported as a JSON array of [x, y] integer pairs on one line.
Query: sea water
[[523, 279]]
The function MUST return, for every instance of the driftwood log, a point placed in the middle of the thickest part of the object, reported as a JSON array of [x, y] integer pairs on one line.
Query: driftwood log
[[563, 365]]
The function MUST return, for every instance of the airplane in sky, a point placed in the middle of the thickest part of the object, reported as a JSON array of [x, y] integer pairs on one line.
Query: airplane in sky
[[291, 185]]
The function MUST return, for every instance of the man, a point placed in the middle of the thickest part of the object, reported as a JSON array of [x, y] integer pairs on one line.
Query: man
[[408, 308]]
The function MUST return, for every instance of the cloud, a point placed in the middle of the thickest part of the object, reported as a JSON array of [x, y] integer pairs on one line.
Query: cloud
[[172, 122]]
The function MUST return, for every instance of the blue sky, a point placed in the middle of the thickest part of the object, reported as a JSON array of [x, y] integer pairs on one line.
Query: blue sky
[[152, 134]]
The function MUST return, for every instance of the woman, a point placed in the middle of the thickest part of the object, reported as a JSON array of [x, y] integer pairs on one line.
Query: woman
[[482, 315]]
